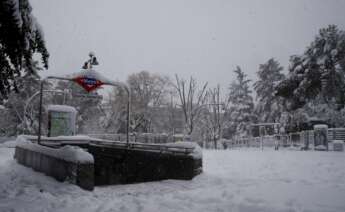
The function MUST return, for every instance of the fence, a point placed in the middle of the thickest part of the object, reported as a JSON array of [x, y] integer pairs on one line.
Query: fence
[[297, 139], [152, 138], [250, 142], [284, 140], [336, 134]]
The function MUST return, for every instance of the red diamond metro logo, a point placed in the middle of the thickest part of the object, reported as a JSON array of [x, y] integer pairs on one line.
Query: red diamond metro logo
[[89, 84]]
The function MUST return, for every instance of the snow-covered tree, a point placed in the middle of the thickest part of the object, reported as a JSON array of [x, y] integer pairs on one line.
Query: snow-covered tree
[[191, 99], [269, 106], [241, 104], [327, 113], [318, 110], [20, 38], [149, 98], [319, 72], [213, 120], [148, 92], [114, 111], [15, 121]]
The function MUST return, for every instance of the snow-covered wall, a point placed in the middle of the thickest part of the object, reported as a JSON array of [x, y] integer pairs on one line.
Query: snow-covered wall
[[68, 153], [112, 162], [118, 165], [196, 152], [68, 163]]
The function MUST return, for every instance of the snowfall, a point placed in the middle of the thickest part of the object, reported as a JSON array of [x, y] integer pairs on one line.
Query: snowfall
[[233, 180]]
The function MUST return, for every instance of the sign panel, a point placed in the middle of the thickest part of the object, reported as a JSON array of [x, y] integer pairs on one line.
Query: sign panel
[[88, 83], [89, 96], [59, 123]]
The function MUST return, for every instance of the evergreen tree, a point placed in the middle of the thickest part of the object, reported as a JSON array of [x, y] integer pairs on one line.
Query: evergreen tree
[[20, 39], [319, 72], [14, 121], [240, 103], [269, 106]]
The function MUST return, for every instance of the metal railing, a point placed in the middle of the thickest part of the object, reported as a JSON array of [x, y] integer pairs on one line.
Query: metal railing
[[162, 148], [296, 139]]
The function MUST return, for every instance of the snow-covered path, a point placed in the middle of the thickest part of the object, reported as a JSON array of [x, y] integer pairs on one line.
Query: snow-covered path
[[233, 180]]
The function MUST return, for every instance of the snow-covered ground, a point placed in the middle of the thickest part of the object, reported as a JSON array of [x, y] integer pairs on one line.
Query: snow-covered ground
[[233, 180]]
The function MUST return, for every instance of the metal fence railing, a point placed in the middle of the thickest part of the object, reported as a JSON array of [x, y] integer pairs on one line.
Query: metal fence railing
[[85, 141], [296, 139], [150, 138], [336, 134]]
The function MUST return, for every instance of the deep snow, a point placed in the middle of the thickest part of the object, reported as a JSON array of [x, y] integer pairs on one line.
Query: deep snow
[[233, 180]]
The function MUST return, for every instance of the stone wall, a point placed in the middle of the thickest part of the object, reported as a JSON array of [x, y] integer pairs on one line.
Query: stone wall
[[79, 173], [106, 163], [120, 165]]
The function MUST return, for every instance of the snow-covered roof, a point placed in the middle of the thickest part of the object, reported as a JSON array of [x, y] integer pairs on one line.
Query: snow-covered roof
[[265, 124], [337, 141], [338, 128], [61, 108], [320, 126], [312, 118]]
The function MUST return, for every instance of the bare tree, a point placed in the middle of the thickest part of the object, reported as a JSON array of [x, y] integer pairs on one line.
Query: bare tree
[[191, 99], [114, 112], [215, 118], [148, 91]]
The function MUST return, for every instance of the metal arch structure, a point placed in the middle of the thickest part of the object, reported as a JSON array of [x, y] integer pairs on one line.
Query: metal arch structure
[[115, 84], [28, 101]]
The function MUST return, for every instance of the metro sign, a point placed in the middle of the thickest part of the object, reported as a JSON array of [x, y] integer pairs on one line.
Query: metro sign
[[88, 83]]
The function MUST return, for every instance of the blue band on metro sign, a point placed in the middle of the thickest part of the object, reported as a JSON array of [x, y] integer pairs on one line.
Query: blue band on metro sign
[[89, 81]]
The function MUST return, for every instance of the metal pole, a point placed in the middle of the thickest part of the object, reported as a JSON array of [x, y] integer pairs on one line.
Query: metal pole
[[128, 117], [128, 108], [29, 101], [24, 113], [40, 114]]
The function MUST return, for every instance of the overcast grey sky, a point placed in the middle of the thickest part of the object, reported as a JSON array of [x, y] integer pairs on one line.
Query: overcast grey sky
[[203, 38]]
